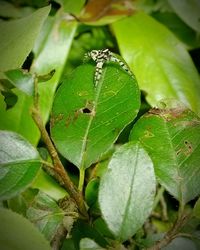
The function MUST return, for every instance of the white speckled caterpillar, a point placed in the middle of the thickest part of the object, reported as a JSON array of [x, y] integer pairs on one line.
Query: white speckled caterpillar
[[102, 56]]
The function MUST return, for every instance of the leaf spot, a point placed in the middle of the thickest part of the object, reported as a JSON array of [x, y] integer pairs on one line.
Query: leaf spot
[[189, 146]]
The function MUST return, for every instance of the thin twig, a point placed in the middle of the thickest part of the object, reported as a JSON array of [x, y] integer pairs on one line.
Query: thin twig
[[61, 174], [171, 234], [164, 208], [158, 196]]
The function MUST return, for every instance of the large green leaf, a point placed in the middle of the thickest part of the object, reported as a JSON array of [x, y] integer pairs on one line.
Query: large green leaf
[[189, 12], [19, 164], [16, 41], [126, 191], [87, 120], [45, 214], [17, 38], [51, 50], [160, 62], [172, 139], [16, 232], [179, 28]]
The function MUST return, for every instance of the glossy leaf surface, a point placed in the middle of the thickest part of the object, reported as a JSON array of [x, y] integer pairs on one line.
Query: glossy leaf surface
[[16, 232], [45, 214], [179, 28], [19, 164], [17, 38], [87, 120], [160, 62], [126, 191], [50, 50], [172, 139]]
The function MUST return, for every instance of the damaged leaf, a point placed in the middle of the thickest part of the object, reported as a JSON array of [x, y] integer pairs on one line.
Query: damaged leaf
[[45, 214], [86, 120], [172, 139], [105, 11]]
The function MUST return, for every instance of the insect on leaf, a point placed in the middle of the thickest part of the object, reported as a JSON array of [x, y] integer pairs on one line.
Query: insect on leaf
[[86, 120]]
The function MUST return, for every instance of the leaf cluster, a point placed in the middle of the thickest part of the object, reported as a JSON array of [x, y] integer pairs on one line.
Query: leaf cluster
[[112, 166]]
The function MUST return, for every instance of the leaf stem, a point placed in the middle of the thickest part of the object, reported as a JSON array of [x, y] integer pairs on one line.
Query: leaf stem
[[81, 179], [158, 196], [61, 174]]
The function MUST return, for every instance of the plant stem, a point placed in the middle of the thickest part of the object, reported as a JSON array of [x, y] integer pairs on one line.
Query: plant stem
[[171, 234], [158, 196], [81, 179], [164, 208], [61, 174]]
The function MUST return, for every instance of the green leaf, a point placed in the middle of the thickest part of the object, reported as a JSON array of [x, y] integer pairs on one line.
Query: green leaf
[[50, 53], [19, 164], [88, 244], [82, 229], [68, 244], [86, 120], [188, 11], [17, 38], [196, 209], [16, 232], [91, 192], [159, 60], [18, 118], [16, 41], [10, 99], [171, 137], [46, 77], [21, 202], [49, 186], [179, 28], [127, 190], [45, 214], [102, 228], [22, 80]]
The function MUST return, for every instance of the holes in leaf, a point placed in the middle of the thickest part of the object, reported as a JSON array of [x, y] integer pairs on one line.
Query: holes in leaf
[[86, 111]]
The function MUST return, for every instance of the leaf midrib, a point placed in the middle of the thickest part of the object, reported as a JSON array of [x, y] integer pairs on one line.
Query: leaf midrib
[[84, 145], [129, 196]]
